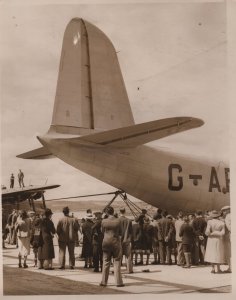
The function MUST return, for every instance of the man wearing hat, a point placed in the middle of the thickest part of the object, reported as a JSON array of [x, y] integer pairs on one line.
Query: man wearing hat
[[87, 240], [227, 241], [67, 230]]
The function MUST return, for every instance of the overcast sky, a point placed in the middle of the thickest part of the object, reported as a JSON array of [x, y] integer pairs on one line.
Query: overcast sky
[[174, 53]]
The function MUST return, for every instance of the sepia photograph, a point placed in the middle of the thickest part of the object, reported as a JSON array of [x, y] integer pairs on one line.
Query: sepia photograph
[[116, 145]]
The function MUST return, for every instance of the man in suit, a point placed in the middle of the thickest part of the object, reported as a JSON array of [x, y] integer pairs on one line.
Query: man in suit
[[111, 246], [165, 231], [199, 225], [67, 229], [180, 254], [126, 236], [97, 242]]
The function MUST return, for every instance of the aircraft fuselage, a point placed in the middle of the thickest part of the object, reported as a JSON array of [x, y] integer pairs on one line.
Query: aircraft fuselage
[[159, 178]]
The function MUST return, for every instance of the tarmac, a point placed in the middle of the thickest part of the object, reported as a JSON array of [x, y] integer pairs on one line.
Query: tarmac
[[147, 279]]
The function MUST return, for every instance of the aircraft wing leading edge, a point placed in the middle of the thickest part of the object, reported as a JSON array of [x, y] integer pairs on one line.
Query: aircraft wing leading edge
[[131, 136], [39, 153], [139, 134]]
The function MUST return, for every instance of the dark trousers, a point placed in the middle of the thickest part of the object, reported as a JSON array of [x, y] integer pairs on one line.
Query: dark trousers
[[165, 252], [97, 256], [62, 253], [200, 250]]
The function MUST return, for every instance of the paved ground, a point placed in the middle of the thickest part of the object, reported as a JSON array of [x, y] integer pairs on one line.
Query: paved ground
[[158, 280]]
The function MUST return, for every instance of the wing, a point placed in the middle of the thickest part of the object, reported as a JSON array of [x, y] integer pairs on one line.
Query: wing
[[139, 134], [40, 153], [21, 192]]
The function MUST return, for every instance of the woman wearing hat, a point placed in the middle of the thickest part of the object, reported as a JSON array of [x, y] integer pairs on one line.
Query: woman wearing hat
[[215, 250], [46, 248]]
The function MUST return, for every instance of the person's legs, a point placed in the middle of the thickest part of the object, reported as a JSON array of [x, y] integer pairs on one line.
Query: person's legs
[[105, 267], [95, 258], [126, 250], [35, 250], [168, 253], [180, 255], [19, 258], [154, 255], [148, 255], [117, 254], [187, 255], [62, 254], [71, 250], [218, 270], [41, 263], [213, 268], [202, 250], [117, 272], [25, 265], [162, 252]]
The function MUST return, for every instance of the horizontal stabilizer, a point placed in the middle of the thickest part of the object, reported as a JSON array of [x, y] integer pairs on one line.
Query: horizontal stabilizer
[[40, 153], [139, 134]]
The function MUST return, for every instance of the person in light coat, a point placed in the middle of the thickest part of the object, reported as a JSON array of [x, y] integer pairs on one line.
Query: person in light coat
[[180, 253], [67, 231], [215, 249], [126, 238], [227, 237], [111, 246]]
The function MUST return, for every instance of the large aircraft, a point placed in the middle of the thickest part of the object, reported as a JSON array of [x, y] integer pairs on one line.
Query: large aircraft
[[93, 130]]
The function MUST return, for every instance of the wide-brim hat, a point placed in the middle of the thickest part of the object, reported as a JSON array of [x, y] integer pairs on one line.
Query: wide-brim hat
[[89, 216], [214, 214], [227, 207]]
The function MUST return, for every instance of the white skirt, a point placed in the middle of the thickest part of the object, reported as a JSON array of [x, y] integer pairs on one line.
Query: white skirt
[[215, 250], [24, 246]]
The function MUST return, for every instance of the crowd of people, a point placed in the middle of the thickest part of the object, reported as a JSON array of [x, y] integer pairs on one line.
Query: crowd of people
[[108, 237]]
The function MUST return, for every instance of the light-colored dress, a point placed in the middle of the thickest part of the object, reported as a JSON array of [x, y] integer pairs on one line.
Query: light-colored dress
[[23, 234], [227, 238], [215, 249]]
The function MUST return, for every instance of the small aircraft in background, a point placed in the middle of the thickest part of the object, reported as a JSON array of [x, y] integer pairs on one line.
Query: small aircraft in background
[[14, 197], [93, 130]]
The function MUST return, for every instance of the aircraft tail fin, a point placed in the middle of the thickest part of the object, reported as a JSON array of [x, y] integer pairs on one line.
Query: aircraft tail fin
[[90, 92]]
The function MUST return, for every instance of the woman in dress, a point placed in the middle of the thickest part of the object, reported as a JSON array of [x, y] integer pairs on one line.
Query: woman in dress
[[46, 249], [23, 229], [215, 250]]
